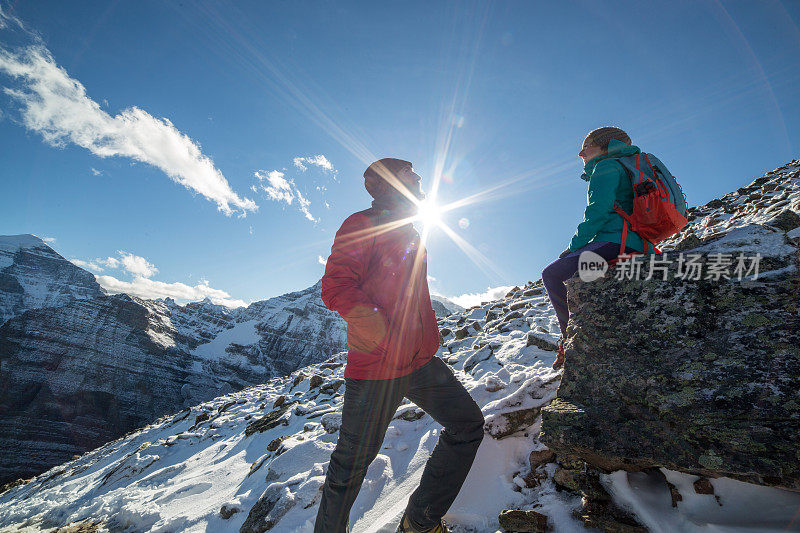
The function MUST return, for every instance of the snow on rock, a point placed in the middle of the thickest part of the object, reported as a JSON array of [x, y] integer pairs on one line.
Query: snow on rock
[[729, 505]]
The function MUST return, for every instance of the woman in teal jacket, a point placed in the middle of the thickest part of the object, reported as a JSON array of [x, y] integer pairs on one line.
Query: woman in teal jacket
[[601, 228]]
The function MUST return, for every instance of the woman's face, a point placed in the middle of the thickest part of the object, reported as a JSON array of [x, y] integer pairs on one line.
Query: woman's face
[[589, 151]]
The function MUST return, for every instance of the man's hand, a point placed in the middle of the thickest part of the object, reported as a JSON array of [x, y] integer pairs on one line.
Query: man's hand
[[565, 253], [366, 328]]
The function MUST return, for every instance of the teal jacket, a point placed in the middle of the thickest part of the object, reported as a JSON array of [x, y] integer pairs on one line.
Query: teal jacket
[[608, 183]]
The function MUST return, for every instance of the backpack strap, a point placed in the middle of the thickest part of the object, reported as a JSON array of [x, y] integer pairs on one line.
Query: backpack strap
[[641, 174], [663, 189], [624, 237], [626, 219]]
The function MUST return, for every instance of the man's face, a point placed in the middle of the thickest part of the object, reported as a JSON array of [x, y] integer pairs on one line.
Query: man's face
[[412, 181]]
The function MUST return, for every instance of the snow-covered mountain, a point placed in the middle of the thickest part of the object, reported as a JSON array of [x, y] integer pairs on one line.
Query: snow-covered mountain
[[443, 307], [254, 460], [80, 367], [33, 275]]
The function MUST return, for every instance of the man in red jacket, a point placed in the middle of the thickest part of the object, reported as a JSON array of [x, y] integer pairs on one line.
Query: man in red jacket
[[376, 279]]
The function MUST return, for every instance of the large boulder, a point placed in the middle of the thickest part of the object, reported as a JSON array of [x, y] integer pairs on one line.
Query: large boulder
[[699, 376]]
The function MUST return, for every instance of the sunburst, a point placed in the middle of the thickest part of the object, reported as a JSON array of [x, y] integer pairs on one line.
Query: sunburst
[[429, 214]]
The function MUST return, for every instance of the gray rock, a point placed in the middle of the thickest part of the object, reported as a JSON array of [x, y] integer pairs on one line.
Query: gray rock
[[695, 376], [331, 422], [522, 521], [227, 511], [269, 509], [786, 220]]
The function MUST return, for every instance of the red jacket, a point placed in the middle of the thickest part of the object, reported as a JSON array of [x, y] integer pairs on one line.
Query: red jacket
[[377, 280]]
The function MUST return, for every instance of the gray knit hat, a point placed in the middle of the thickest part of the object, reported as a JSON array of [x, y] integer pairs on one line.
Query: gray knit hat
[[602, 136]]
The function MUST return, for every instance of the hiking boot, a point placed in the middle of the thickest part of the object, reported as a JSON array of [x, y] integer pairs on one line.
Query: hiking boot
[[406, 527], [559, 362]]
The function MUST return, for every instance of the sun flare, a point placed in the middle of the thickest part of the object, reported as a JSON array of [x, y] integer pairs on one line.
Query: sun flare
[[429, 214]]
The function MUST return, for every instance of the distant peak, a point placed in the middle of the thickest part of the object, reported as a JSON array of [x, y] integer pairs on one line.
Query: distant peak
[[25, 240]]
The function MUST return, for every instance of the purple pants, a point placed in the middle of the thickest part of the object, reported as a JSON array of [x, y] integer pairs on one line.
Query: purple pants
[[556, 273]]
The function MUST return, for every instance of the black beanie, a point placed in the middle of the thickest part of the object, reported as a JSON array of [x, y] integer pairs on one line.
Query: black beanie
[[375, 179]]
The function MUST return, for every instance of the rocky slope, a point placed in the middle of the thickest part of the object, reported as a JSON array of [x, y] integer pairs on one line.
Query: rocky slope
[[79, 367], [254, 460]]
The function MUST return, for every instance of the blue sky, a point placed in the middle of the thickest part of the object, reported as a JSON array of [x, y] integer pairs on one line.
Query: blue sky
[[155, 142]]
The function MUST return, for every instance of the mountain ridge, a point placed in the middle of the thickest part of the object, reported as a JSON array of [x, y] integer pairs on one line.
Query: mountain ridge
[[69, 352]]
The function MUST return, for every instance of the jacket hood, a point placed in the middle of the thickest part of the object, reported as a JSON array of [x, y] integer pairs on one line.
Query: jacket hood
[[616, 149]]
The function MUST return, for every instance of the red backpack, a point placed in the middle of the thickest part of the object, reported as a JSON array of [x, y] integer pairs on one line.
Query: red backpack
[[659, 205]]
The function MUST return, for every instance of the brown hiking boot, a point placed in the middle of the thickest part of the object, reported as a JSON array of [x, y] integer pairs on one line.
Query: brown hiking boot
[[559, 362], [406, 527]]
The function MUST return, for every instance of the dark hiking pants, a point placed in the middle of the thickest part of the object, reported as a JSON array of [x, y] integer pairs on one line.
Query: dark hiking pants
[[556, 273], [368, 408]]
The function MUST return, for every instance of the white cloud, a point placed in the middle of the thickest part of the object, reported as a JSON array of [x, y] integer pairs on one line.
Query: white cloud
[[99, 264], [57, 107], [151, 289], [470, 299], [136, 265], [282, 189], [321, 260], [5, 18], [278, 187], [141, 285], [317, 160], [89, 265], [49, 239], [109, 262]]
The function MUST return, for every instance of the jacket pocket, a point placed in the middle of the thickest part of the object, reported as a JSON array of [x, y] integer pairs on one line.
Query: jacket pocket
[[367, 328]]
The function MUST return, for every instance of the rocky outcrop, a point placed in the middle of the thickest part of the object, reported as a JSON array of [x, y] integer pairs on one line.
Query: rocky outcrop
[[79, 368], [695, 375]]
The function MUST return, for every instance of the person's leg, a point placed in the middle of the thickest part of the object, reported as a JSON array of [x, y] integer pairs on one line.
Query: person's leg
[[367, 410], [439, 393], [556, 273]]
